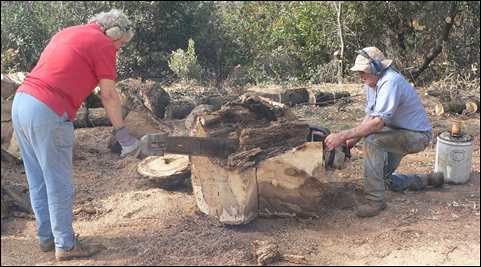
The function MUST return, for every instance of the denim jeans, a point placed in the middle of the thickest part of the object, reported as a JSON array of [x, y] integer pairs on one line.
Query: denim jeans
[[46, 141], [383, 153]]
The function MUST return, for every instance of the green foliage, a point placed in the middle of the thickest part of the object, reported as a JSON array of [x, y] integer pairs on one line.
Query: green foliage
[[269, 41], [184, 64]]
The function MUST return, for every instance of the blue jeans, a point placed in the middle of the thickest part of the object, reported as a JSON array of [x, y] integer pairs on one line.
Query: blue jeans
[[383, 153], [46, 141]]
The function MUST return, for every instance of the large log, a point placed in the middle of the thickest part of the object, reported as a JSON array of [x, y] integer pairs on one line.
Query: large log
[[288, 96], [328, 98], [178, 109], [10, 83], [457, 106], [137, 95], [10, 149], [274, 171]]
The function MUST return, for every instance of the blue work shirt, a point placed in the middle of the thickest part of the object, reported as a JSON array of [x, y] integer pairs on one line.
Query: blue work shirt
[[396, 101]]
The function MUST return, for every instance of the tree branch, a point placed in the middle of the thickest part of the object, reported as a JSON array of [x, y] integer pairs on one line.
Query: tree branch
[[449, 20]]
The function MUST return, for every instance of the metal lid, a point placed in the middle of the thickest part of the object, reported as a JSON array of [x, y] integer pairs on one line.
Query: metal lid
[[446, 136]]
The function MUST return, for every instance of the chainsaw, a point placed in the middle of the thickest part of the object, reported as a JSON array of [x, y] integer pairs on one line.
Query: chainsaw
[[159, 144]]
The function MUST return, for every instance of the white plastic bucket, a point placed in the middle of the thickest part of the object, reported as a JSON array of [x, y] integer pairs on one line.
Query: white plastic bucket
[[453, 157]]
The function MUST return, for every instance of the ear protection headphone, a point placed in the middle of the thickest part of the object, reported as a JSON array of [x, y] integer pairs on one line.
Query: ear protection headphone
[[116, 32], [375, 64]]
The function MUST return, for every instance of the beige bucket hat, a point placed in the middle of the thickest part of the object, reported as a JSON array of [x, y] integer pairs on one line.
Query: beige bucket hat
[[362, 62]]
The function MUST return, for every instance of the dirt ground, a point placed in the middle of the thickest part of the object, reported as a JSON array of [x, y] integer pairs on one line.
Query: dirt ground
[[141, 225]]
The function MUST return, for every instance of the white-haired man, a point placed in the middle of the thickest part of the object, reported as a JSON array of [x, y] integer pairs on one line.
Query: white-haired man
[[75, 61], [396, 124]]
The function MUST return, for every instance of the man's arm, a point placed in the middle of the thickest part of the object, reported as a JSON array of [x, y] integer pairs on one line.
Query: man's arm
[[353, 141], [368, 125], [111, 101]]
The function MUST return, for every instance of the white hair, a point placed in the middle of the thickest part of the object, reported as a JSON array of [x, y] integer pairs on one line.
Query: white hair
[[114, 17]]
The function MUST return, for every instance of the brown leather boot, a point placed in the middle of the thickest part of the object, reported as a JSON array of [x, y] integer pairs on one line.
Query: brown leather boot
[[46, 246], [371, 208], [435, 179], [79, 250]]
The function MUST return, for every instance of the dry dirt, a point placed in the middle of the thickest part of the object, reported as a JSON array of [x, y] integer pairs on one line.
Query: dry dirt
[[139, 225]]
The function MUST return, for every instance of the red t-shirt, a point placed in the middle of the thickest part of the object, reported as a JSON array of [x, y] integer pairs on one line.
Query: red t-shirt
[[70, 68]]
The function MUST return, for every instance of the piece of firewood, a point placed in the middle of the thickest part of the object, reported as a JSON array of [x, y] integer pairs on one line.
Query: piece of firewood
[[265, 252], [167, 171]]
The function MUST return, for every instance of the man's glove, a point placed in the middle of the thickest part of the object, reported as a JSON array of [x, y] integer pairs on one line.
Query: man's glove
[[128, 143]]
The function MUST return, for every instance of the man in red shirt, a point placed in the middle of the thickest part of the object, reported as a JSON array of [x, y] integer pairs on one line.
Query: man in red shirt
[[76, 60]]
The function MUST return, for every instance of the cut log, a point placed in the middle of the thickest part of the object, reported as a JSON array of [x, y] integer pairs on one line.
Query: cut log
[[456, 107], [168, 171], [288, 96], [329, 98], [178, 109], [472, 106], [289, 184], [10, 83], [10, 149], [192, 117], [135, 95], [22, 201], [228, 195], [273, 172], [6, 110]]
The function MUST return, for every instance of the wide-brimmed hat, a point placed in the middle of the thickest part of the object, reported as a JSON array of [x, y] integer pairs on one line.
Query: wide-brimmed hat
[[362, 62]]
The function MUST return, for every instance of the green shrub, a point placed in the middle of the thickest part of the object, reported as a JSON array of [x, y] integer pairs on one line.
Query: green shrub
[[184, 64]]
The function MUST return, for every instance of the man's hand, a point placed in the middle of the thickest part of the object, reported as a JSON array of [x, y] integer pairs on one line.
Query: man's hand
[[129, 144], [334, 140], [352, 142]]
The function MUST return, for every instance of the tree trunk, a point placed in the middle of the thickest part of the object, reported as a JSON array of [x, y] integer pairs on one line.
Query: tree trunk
[[338, 7], [449, 20]]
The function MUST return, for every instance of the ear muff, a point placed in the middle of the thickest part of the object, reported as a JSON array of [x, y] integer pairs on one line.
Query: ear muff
[[376, 66], [115, 33]]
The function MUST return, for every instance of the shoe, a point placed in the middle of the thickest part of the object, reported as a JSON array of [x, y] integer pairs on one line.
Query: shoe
[[435, 179], [371, 208], [46, 246], [78, 251]]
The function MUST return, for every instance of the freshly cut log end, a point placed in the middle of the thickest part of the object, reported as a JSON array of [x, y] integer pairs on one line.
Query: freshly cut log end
[[439, 109], [168, 171], [472, 106]]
